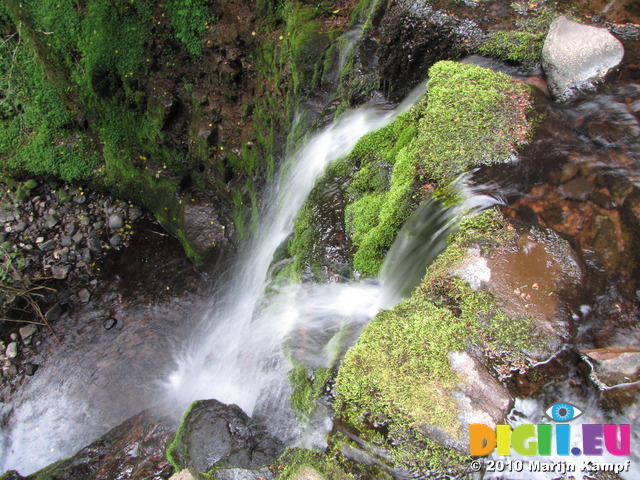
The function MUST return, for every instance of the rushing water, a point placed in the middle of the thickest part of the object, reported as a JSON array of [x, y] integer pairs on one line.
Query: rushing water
[[238, 356]]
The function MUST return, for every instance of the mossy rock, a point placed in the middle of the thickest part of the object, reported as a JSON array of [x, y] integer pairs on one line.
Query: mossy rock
[[422, 371], [301, 464], [213, 435]]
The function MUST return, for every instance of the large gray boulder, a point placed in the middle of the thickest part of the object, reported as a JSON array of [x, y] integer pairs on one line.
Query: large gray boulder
[[576, 57]]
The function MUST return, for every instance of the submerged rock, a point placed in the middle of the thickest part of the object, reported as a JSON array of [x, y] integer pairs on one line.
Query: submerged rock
[[613, 366], [577, 56], [213, 434]]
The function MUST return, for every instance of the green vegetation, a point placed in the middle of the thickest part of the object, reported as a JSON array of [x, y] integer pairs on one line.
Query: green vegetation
[[398, 374], [306, 388], [524, 44], [190, 19], [297, 463], [473, 117]]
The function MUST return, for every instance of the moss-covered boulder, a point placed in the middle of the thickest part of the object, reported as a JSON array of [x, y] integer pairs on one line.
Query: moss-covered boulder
[[492, 304], [213, 435]]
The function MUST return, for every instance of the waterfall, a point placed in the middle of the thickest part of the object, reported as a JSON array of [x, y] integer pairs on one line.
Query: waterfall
[[238, 357]]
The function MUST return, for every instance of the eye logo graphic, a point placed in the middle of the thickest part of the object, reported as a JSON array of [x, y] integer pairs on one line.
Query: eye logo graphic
[[563, 412]]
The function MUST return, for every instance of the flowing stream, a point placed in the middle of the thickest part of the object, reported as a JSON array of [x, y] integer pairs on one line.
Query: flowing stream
[[238, 356]]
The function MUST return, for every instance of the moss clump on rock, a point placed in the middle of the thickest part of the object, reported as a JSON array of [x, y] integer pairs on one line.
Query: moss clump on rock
[[398, 376], [470, 117], [301, 464]]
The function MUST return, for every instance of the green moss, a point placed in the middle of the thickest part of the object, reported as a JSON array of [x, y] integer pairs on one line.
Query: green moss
[[306, 42], [190, 19], [473, 117], [306, 388], [296, 462], [398, 374], [524, 44], [176, 446]]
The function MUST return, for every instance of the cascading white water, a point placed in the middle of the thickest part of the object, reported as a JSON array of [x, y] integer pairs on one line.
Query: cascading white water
[[238, 358]]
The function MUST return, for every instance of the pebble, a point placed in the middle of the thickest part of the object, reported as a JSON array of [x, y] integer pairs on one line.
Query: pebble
[[79, 199], [13, 336], [9, 370], [20, 227], [54, 313], [12, 350], [77, 238], [115, 240], [27, 331], [60, 271], [84, 295], [30, 369], [51, 221], [109, 323], [116, 221], [93, 242], [66, 241], [71, 228], [48, 245]]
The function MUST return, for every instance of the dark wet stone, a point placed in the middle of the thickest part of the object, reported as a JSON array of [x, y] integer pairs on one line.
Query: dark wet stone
[[30, 369], [115, 240], [213, 433], [60, 271], [569, 171], [54, 313], [71, 228], [98, 225], [77, 238], [66, 241], [51, 221], [603, 200], [576, 189], [109, 323], [133, 450], [93, 242], [80, 199], [48, 245], [85, 221]]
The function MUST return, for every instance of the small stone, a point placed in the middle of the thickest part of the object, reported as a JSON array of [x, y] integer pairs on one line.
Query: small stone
[[109, 323], [51, 221], [20, 227], [54, 313], [77, 238], [28, 331], [66, 241], [12, 350], [9, 370], [84, 295], [79, 199], [86, 255], [47, 246], [603, 200], [39, 239], [85, 221], [98, 225], [116, 221], [93, 242], [14, 336], [71, 228], [60, 271], [115, 240], [30, 369]]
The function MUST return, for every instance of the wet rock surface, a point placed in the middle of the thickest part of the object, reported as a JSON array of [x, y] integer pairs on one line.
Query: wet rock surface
[[133, 450], [213, 434], [576, 56]]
